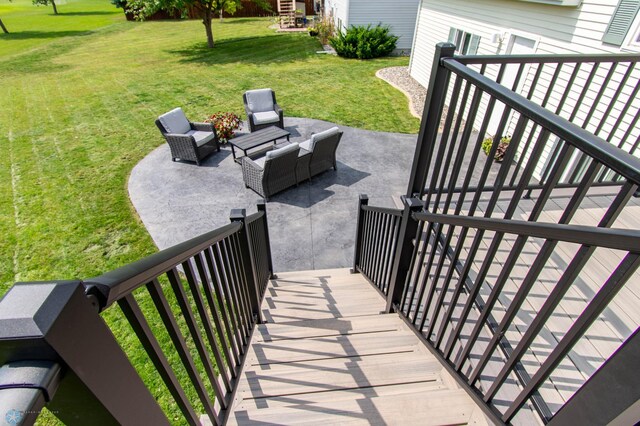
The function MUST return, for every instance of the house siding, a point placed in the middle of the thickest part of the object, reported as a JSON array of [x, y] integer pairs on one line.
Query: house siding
[[555, 30], [400, 15]]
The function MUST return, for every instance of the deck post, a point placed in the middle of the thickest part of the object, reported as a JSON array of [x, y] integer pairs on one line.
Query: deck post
[[248, 263], [430, 123], [363, 200], [53, 333], [611, 395], [404, 251], [262, 207]]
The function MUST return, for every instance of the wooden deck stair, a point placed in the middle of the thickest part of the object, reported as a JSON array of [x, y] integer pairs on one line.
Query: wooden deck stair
[[327, 355], [287, 13]]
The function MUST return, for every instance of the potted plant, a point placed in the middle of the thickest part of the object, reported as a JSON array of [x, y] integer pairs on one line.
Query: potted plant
[[225, 124], [487, 144]]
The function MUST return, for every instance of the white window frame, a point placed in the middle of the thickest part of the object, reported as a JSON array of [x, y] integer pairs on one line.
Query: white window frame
[[632, 41], [465, 37]]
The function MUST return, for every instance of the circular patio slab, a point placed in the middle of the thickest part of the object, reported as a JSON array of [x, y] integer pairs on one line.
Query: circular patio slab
[[311, 226]]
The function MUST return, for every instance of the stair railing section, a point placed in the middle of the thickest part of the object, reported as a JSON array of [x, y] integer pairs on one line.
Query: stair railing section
[[193, 308], [377, 232], [500, 249]]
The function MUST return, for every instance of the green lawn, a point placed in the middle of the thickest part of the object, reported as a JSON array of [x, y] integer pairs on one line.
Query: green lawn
[[79, 96]]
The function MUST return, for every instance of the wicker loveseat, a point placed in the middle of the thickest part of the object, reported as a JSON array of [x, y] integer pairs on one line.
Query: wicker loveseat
[[262, 109], [272, 173], [323, 148], [188, 141]]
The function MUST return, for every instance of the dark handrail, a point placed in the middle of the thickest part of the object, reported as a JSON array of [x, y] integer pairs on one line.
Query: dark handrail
[[616, 239], [383, 210], [611, 156], [116, 284], [253, 217], [546, 59]]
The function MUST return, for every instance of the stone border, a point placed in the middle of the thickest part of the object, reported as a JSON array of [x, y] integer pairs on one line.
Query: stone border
[[399, 78]]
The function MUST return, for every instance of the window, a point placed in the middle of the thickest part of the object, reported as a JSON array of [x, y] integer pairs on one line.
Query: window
[[466, 43]]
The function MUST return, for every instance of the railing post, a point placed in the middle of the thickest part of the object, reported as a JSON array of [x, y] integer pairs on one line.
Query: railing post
[[611, 395], [262, 207], [431, 116], [57, 323], [248, 261], [404, 251], [363, 200]]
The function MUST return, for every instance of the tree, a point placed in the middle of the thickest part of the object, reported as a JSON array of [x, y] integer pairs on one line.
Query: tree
[[4, 29], [208, 9], [46, 3]]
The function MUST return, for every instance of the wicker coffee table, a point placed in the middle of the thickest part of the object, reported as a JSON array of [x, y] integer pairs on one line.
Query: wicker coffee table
[[256, 139]]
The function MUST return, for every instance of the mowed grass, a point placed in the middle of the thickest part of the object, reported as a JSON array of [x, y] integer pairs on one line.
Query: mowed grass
[[30, 26], [77, 113]]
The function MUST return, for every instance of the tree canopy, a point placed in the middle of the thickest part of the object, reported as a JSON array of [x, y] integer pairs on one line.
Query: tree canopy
[[207, 9]]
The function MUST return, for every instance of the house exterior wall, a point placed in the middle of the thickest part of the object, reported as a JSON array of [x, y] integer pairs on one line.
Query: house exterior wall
[[546, 29], [555, 29], [400, 15]]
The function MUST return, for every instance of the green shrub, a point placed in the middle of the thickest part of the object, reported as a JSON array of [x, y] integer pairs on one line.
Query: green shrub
[[364, 42]]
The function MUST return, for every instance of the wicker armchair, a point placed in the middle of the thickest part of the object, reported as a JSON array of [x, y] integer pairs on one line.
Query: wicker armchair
[[323, 148], [272, 173], [262, 109], [188, 141]]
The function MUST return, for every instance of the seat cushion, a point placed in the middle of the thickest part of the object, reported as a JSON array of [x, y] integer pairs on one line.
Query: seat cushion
[[175, 121], [201, 137], [282, 151], [260, 100], [266, 117], [322, 135], [260, 161], [306, 145]]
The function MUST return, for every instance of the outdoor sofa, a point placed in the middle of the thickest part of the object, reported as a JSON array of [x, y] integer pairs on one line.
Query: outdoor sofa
[[188, 141], [289, 165]]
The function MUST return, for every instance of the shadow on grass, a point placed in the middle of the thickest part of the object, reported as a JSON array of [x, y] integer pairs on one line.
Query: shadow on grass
[[234, 21], [25, 35], [276, 48], [96, 13]]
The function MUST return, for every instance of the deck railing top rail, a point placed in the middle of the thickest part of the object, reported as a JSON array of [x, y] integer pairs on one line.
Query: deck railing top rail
[[610, 155]]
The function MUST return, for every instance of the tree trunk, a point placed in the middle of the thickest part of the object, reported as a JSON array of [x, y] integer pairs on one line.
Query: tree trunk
[[55, 9], [4, 29], [221, 15], [207, 26]]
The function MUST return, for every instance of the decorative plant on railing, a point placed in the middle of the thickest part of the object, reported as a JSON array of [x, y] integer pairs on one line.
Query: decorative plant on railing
[[225, 123], [500, 151]]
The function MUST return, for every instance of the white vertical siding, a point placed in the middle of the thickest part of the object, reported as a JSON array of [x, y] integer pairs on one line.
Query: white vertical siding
[[400, 15]]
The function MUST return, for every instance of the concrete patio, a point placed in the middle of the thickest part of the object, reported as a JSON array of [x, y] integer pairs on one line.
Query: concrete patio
[[312, 226]]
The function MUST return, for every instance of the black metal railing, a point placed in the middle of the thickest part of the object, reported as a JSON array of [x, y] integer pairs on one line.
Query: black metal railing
[[512, 271], [377, 237], [193, 308]]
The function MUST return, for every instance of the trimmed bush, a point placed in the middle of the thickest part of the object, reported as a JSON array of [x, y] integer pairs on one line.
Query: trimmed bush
[[364, 42]]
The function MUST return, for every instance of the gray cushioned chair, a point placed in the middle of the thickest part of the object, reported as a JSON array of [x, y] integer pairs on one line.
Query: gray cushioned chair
[[188, 141], [272, 173], [262, 109], [323, 148]]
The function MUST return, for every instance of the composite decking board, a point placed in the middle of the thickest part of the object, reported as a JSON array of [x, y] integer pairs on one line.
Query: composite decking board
[[332, 347], [304, 329], [298, 365], [338, 395], [449, 407]]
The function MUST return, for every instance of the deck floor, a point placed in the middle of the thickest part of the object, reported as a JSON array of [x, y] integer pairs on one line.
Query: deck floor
[[327, 355]]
